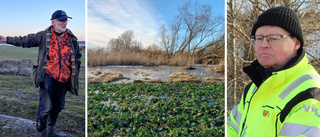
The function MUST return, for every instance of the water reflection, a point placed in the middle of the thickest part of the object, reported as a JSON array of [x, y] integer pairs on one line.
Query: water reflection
[[159, 72]]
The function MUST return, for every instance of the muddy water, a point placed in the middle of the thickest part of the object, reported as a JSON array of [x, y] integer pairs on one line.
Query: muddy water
[[159, 72]]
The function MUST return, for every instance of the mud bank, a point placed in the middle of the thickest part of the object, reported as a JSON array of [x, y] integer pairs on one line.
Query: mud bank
[[24, 127], [21, 67], [108, 77]]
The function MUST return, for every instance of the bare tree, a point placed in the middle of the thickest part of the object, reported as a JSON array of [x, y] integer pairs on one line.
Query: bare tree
[[115, 45], [198, 25], [192, 30], [165, 40], [128, 38], [125, 41], [232, 21], [136, 46]]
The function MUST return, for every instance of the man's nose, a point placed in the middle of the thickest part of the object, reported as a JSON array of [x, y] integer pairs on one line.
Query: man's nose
[[265, 42]]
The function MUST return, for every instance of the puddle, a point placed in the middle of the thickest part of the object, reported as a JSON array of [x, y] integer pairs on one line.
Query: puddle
[[160, 72]]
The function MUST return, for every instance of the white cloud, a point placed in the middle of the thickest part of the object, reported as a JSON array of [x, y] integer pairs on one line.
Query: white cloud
[[108, 19]]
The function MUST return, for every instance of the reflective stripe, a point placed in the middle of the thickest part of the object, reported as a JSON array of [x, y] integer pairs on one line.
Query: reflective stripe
[[291, 129], [244, 132], [312, 107], [254, 89], [236, 114], [296, 83], [233, 124]]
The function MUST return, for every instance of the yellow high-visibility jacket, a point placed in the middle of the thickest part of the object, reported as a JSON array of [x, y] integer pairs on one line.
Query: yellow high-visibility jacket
[[285, 104]]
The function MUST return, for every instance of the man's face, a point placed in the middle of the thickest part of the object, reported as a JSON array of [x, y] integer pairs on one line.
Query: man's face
[[275, 56], [60, 26]]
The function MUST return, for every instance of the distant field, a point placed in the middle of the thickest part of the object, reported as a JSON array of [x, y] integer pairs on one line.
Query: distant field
[[14, 52], [18, 52]]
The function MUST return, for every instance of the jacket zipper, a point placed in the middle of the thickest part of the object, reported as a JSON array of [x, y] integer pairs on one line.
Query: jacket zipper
[[72, 53], [276, 126], [59, 53], [245, 120]]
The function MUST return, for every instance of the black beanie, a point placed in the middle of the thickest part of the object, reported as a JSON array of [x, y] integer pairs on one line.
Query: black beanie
[[282, 17]]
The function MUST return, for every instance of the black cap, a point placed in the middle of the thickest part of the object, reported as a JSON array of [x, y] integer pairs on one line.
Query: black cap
[[282, 17], [60, 15]]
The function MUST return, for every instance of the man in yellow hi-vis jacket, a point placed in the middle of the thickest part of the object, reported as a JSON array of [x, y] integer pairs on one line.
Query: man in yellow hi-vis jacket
[[283, 97]]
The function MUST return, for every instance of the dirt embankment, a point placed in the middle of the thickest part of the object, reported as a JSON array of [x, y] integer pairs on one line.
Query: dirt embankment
[[21, 67]]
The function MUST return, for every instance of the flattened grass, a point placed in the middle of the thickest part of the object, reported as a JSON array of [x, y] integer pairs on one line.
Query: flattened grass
[[19, 98]]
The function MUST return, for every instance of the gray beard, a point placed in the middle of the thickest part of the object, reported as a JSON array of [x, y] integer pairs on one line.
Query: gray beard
[[60, 28]]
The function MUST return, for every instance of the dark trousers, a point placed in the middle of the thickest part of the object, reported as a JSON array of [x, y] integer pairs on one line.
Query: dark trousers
[[52, 101]]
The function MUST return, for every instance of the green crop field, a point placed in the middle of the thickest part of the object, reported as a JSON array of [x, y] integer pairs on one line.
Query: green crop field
[[167, 109], [14, 52], [18, 52]]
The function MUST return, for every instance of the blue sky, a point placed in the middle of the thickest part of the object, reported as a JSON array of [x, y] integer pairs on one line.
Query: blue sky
[[109, 18], [22, 17]]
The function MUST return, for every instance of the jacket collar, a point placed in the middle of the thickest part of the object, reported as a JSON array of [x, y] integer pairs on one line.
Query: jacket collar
[[258, 73]]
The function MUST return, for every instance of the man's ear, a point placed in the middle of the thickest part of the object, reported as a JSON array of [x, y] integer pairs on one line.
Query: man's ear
[[297, 44]]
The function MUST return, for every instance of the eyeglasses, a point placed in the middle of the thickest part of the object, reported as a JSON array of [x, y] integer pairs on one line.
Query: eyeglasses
[[274, 39]]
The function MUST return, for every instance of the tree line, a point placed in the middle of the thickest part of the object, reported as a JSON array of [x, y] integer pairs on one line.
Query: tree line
[[195, 31]]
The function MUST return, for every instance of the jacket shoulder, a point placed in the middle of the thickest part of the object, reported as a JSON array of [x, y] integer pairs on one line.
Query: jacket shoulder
[[312, 93], [72, 35]]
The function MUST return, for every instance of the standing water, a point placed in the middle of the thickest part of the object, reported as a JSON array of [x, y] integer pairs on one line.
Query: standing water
[[159, 72]]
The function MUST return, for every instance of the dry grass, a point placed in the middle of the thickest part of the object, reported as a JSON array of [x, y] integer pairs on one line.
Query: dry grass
[[181, 59], [145, 57], [106, 77], [97, 58]]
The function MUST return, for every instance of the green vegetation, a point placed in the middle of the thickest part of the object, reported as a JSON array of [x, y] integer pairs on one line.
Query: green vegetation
[[19, 98], [13, 52], [167, 109], [18, 52]]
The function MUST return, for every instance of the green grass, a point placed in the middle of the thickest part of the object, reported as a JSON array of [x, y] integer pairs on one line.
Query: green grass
[[20, 53], [9, 133], [14, 52], [167, 109], [19, 94]]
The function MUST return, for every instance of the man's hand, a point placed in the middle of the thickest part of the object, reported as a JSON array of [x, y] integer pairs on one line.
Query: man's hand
[[3, 39]]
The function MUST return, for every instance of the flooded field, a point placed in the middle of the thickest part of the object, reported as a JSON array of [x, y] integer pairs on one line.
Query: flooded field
[[131, 73]]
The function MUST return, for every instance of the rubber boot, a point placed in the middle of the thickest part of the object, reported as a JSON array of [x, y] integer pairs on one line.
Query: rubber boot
[[42, 134], [52, 120], [41, 124], [52, 133]]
